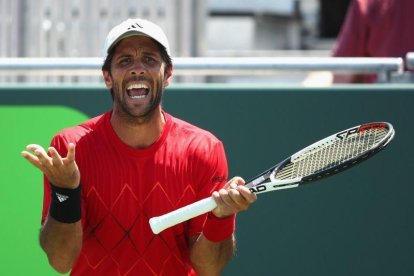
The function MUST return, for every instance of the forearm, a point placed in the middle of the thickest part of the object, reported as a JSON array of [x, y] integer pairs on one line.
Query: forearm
[[62, 243], [214, 248], [210, 258]]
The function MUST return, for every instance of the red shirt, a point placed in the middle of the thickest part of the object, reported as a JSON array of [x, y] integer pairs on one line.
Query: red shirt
[[123, 187], [377, 28]]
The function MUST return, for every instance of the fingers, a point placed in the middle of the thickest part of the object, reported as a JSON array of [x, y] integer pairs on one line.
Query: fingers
[[233, 197], [61, 171], [247, 194], [71, 153], [42, 156], [38, 150], [238, 196], [239, 193], [56, 158], [33, 159], [33, 147], [236, 180], [38, 156]]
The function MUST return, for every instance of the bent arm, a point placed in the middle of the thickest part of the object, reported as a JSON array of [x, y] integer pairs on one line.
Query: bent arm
[[61, 235], [212, 250], [210, 258], [62, 243]]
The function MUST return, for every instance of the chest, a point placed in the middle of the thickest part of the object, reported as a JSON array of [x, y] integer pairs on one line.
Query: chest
[[130, 185]]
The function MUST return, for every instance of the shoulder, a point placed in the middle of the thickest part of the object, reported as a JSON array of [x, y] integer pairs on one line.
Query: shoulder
[[184, 130], [75, 133], [193, 141]]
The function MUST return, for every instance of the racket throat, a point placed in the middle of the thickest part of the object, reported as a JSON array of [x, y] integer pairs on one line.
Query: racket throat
[[276, 185]]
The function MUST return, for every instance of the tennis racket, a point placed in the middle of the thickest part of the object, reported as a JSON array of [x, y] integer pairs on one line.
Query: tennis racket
[[326, 157]]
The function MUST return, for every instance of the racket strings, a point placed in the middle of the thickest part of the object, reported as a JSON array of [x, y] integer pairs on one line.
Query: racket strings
[[332, 153]]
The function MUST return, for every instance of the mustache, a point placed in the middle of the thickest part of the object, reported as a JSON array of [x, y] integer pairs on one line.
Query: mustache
[[137, 78]]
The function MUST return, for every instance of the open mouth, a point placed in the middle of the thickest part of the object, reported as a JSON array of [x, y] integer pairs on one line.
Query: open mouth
[[137, 91]]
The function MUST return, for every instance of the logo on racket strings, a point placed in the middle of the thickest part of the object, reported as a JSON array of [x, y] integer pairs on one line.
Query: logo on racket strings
[[347, 133], [362, 128]]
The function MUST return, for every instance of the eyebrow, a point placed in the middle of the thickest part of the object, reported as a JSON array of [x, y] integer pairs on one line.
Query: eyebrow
[[128, 53], [122, 55]]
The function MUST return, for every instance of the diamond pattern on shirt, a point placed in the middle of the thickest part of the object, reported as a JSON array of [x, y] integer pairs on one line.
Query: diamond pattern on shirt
[[131, 244]]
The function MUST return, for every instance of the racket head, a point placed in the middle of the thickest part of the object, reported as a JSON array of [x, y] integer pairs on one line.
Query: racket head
[[335, 153]]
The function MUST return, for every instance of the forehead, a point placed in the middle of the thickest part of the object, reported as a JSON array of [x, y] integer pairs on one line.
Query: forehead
[[137, 43]]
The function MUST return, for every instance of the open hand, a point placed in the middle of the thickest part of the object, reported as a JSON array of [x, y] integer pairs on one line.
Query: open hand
[[63, 172]]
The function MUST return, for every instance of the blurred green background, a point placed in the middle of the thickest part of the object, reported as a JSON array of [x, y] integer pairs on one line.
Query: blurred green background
[[22, 192]]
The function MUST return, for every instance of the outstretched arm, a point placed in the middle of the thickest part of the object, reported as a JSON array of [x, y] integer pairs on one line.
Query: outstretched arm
[[60, 235]]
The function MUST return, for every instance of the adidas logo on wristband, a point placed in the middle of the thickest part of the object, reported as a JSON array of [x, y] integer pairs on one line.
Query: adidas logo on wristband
[[61, 197], [65, 205]]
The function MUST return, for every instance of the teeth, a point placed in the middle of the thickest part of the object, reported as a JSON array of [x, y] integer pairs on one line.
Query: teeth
[[138, 97], [137, 86]]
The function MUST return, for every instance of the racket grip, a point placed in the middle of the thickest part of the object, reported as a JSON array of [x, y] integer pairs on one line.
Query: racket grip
[[195, 209]]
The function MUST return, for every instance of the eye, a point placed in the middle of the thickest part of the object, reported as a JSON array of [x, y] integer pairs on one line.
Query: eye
[[124, 61], [150, 60]]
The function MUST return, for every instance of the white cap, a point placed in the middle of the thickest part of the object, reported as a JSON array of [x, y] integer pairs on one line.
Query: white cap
[[137, 26]]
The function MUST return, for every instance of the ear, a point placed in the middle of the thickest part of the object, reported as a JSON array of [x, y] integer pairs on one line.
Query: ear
[[108, 79], [168, 75]]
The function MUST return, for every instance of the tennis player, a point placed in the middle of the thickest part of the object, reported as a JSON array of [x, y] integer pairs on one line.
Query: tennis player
[[134, 162]]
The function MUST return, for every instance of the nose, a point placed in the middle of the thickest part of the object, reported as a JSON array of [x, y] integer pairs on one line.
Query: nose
[[137, 68]]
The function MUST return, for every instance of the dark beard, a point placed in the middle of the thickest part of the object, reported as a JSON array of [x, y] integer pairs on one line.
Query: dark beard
[[149, 112]]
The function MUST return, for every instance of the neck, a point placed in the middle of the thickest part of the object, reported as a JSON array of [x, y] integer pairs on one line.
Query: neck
[[139, 134]]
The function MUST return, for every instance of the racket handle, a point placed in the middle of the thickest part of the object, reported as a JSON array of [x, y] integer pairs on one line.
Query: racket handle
[[195, 209]]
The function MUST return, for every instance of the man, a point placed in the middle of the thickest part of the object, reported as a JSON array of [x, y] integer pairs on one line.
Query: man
[[372, 28], [375, 28], [132, 163]]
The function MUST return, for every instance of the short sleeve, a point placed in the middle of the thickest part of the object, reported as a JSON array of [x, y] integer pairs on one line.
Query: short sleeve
[[212, 174]]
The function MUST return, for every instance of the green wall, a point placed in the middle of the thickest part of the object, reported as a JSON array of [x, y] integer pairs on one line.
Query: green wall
[[356, 223], [21, 193]]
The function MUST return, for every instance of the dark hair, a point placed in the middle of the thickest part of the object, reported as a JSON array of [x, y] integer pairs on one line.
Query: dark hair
[[164, 55]]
